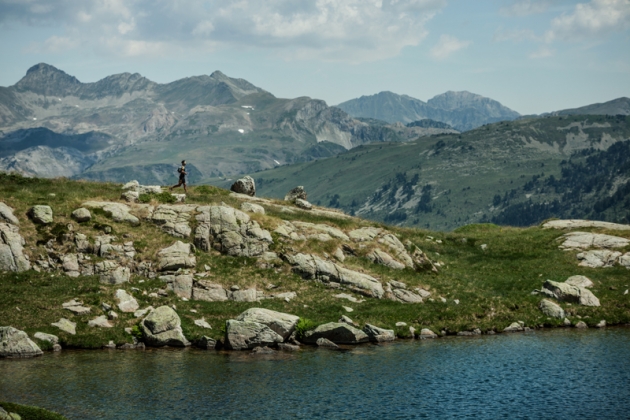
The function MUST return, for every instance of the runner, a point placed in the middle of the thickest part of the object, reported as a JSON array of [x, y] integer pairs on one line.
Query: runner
[[182, 177]]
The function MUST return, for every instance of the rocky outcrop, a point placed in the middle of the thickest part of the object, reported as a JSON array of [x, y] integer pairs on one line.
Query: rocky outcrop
[[252, 208], [110, 272], [243, 335], [181, 284], [312, 267], [179, 255], [297, 192], [163, 327], [12, 257], [230, 231], [398, 292], [281, 323], [551, 309], [576, 224], [579, 281], [397, 248], [117, 211], [338, 333], [15, 343], [81, 215], [126, 302], [364, 234], [66, 326], [6, 215], [569, 293], [586, 240], [245, 185], [173, 219], [310, 228], [378, 335], [42, 215], [598, 258], [380, 257]]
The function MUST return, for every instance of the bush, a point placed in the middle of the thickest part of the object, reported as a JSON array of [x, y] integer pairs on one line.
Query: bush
[[304, 325], [165, 197]]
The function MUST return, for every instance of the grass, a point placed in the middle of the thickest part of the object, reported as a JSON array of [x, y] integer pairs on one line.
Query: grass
[[31, 413], [492, 286]]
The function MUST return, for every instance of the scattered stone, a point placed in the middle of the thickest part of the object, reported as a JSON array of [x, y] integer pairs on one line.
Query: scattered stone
[[426, 333], [173, 219], [513, 327], [179, 255], [303, 204], [324, 342], [252, 208], [110, 272], [15, 343], [42, 215], [406, 296], [100, 321], [245, 185], [117, 211], [566, 322], [162, 327], [66, 325], [243, 335], [579, 281], [202, 323], [551, 309], [348, 309], [378, 335], [581, 324], [76, 307], [6, 215], [344, 319], [111, 315], [247, 295], [130, 196], [601, 324], [126, 302], [338, 333], [295, 193], [398, 249], [81, 215], [53, 339], [131, 185], [281, 323], [484, 247], [348, 297], [401, 324], [181, 285], [56, 347], [209, 292], [586, 240], [70, 265]]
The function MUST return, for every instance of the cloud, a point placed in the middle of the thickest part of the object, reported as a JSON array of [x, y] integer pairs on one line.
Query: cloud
[[542, 52], [345, 30], [593, 19], [446, 46], [519, 8]]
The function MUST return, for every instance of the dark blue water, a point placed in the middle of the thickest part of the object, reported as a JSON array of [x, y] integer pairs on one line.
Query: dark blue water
[[564, 374]]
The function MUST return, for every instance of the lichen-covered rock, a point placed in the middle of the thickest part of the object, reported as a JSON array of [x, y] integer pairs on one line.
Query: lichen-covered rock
[[334, 232], [162, 327], [247, 295], [117, 211], [569, 293], [81, 215], [283, 324], [70, 264], [15, 343], [243, 335], [551, 309], [53, 339], [179, 255], [245, 185], [126, 302], [297, 192], [12, 257], [338, 333], [42, 215], [131, 185], [6, 215], [378, 335], [66, 325], [110, 272], [312, 267], [173, 219], [209, 292], [181, 285]]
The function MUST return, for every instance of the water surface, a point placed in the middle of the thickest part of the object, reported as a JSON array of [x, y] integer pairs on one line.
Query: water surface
[[563, 374]]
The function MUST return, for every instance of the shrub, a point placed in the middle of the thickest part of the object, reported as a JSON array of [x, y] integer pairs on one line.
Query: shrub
[[304, 325]]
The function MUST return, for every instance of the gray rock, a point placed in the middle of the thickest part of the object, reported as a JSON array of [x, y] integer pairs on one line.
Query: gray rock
[[53, 339], [338, 333], [513, 327], [142, 312], [427, 333], [207, 343], [601, 324], [295, 193], [581, 324], [574, 224], [126, 302], [110, 272], [162, 327], [364, 234], [288, 347], [586, 240], [551, 309], [380, 257], [248, 295], [173, 219], [12, 257], [245, 185], [281, 323], [130, 196], [202, 323], [579, 281], [179, 255], [338, 254], [569, 293], [263, 350], [70, 265], [117, 211], [324, 342], [100, 321], [66, 325], [566, 322], [131, 185], [42, 215], [242, 335], [378, 335], [303, 204], [209, 292], [397, 248], [598, 258], [181, 285], [81, 215], [76, 307], [344, 319], [331, 231], [15, 343], [406, 296], [252, 208], [6, 215]]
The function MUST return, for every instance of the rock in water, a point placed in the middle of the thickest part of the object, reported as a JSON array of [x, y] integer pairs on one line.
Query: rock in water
[[338, 333], [281, 323], [427, 333], [551, 309], [324, 342], [378, 335], [514, 327], [243, 335], [245, 185], [162, 327], [15, 343], [295, 193], [42, 215]]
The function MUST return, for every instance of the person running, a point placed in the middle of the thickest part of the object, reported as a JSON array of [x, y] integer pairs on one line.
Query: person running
[[182, 177]]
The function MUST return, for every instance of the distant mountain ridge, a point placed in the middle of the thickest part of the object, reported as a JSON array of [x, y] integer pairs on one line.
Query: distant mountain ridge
[[619, 106], [461, 110]]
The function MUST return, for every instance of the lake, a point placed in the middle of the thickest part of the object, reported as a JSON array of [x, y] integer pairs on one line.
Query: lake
[[557, 374]]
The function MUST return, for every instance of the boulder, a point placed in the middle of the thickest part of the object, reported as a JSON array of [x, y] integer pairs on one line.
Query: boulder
[[15, 343], [162, 327], [126, 302], [303, 204], [252, 208], [42, 215], [119, 212], [70, 265], [142, 312], [601, 324], [281, 323], [12, 257], [551, 309], [6, 215], [569, 293], [380, 257], [586, 240], [378, 335], [52, 339], [66, 325], [81, 215], [579, 281], [207, 343], [209, 292], [130, 196], [338, 333], [406, 296], [513, 327], [243, 335], [100, 321], [581, 324], [181, 285], [597, 258], [245, 185], [202, 323], [131, 185], [179, 255], [247, 295], [426, 333], [624, 260], [173, 219], [295, 193], [346, 320]]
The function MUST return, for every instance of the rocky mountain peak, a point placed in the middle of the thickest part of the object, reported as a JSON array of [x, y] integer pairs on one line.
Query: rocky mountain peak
[[48, 80]]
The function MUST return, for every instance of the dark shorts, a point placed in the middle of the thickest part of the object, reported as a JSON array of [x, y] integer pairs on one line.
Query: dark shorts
[[182, 178]]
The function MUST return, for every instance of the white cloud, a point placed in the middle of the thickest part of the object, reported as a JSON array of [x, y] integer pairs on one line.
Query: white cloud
[[520, 8], [346, 30], [446, 46], [542, 52], [596, 18]]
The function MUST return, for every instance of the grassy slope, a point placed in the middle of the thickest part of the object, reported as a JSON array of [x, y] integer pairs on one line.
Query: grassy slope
[[465, 171], [493, 286]]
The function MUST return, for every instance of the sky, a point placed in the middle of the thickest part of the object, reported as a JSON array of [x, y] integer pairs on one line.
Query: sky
[[533, 56]]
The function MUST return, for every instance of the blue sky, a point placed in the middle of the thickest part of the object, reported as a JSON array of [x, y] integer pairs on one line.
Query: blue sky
[[533, 56]]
